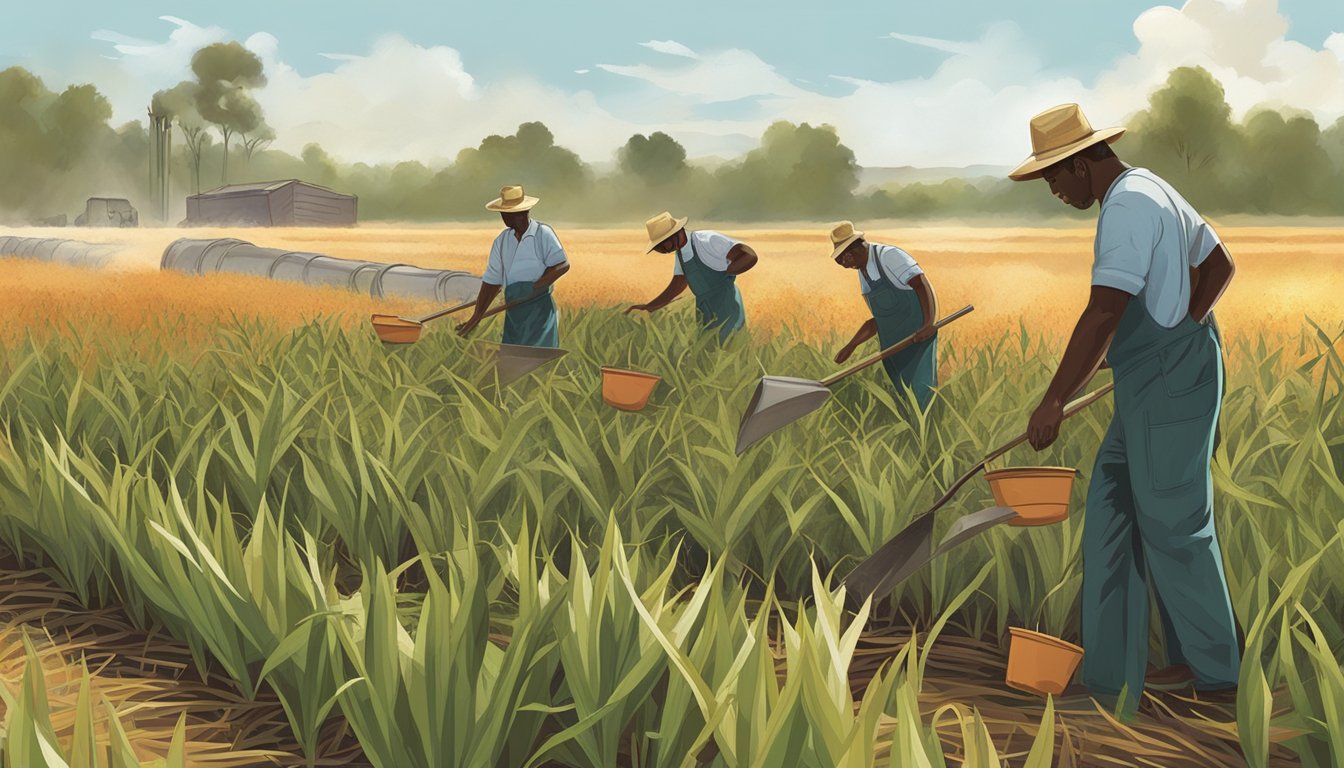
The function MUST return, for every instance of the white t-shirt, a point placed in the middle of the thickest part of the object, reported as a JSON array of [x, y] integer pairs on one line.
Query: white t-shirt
[[711, 246], [523, 260], [899, 266], [1148, 238]]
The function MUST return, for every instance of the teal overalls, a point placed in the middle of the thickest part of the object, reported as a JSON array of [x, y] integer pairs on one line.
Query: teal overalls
[[717, 300], [898, 314], [535, 323], [1150, 512]]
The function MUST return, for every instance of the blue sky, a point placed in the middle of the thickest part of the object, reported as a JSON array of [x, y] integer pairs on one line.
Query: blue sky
[[717, 72]]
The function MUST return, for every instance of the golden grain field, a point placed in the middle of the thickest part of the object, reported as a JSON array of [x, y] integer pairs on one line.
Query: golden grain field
[[1036, 276]]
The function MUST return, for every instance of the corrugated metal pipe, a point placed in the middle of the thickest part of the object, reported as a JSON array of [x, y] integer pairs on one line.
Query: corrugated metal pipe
[[199, 257], [72, 252]]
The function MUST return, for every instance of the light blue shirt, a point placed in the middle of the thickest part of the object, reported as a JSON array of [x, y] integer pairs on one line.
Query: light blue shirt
[[899, 266], [517, 261], [712, 247], [1148, 239]]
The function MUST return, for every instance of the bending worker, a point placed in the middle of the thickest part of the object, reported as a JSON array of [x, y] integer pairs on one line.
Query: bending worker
[[1158, 269], [903, 303], [707, 261], [526, 259]]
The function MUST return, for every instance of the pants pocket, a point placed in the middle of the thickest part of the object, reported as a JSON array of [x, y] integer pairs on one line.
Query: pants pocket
[[1189, 365], [1178, 451]]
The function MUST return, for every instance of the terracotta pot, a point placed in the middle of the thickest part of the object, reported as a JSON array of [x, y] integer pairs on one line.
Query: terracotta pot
[[627, 390], [1039, 663], [1039, 495], [394, 330]]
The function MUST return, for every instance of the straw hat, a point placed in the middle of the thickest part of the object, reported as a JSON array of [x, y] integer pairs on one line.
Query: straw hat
[[511, 200], [842, 236], [1057, 133], [663, 226]]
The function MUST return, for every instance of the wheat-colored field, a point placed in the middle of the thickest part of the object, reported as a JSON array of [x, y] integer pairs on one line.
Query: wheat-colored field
[[1011, 275]]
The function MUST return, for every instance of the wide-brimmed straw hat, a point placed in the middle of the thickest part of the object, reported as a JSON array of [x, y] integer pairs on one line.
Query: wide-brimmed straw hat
[[663, 226], [1057, 133], [842, 236], [511, 200]]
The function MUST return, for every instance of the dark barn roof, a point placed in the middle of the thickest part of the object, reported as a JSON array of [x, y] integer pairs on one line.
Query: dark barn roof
[[285, 202]]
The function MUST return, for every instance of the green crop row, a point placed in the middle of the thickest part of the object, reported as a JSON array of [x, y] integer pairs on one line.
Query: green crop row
[[388, 533]]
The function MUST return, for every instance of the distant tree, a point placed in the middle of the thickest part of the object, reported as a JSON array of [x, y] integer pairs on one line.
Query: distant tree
[[1187, 136], [76, 118], [1287, 170], [656, 159], [259, 138], [179, 103], [1332, 140], [319, 167], [226, 73], [798, 171], [529, 157]]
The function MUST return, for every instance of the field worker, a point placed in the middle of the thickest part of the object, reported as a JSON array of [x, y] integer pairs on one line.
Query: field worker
[[1158, 270], [707, 261], [526, 258], [903, 303]]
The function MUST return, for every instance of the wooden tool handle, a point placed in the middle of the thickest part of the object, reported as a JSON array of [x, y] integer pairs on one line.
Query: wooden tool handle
[[1069, 410], [893, 349], [442, 312]]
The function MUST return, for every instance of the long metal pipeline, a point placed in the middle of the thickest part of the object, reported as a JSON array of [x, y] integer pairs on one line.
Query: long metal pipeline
[[379, 280]]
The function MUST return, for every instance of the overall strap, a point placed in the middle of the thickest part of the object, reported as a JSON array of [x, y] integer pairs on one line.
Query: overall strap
[[882, 273], [694, 253]]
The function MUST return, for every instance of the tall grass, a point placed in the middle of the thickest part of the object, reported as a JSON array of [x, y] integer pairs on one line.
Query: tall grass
[[364, 529]]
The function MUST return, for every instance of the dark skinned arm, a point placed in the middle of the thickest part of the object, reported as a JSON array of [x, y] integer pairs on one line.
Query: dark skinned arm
[[928, 302], [550, 276], [672, 291], [489, 292], [741, 258], [1087, 346], [486, 295], [866, 331], [1208, 282]]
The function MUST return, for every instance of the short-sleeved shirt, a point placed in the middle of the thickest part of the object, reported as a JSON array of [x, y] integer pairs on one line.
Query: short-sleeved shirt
[[1148, 239], [899, 266], [516, 261], [712, 248]]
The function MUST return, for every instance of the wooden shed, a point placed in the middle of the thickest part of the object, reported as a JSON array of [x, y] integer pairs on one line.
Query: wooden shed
[[286, 203]]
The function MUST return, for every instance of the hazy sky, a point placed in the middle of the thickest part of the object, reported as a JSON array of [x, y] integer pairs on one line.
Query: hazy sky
[[945, 83]]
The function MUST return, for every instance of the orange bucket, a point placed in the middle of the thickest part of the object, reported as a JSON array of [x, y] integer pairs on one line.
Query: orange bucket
[[395, 330], [627, 390], [1039, 495], [1039, 663]]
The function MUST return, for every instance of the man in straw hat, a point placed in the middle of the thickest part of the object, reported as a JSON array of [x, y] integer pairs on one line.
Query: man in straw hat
[[903, 303], [707, 261], [1157, 271], [526, 258]]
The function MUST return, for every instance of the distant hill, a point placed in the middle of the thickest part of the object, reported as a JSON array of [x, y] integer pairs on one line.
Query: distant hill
[[881, 177]]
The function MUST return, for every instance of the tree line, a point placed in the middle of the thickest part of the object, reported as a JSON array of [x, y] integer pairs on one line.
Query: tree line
[[57, 148]]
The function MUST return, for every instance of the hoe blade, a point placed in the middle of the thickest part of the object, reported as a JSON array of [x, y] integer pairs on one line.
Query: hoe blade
[[778, 402], [513, 361]]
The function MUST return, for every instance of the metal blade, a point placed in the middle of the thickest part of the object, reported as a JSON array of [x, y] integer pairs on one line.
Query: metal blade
[[514, 361], [778, 402], [972, 525], [902, 555]]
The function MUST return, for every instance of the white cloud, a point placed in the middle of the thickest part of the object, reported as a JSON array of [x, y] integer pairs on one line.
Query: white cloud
[[716, 77], [1242, 44], [404, 101], [671, 48], [938, 44], [399, 100]]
